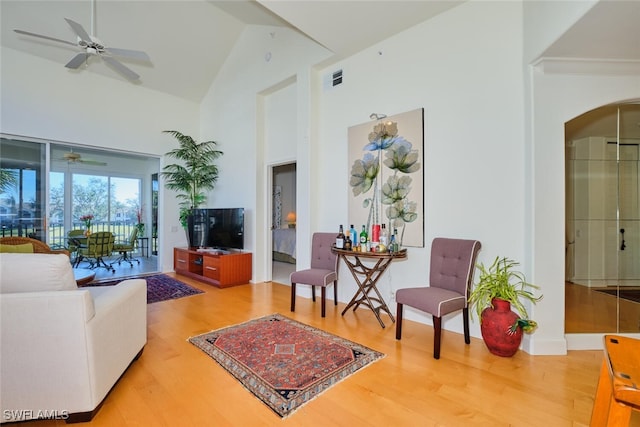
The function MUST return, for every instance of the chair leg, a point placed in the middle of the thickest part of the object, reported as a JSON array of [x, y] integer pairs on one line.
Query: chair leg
[[465, 319], [437, 335], [335, 292], [293, 297], [313, 293], [324, 300], [399, 321]]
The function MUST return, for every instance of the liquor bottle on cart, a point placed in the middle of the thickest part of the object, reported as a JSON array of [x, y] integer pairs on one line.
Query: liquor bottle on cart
[[364, 239], [396, 245], [384, 235], [340, 238], [355, 238], [348, 245]]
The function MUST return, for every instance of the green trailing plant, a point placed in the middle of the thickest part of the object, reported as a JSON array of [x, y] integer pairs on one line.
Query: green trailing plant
[[196, 175], [502, 280]]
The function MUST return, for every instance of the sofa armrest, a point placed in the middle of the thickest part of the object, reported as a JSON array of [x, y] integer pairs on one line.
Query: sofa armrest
[[44, 349], [64, 350], [117, 332]]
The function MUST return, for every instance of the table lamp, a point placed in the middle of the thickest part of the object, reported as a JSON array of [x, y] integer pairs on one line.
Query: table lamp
[[291, 219]]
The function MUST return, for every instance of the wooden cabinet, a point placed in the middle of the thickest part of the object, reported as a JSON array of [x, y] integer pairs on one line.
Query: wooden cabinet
[[220, 269]]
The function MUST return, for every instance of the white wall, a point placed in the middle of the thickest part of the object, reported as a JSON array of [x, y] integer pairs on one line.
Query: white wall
[[494, 158], [89, 109], [464, 68], [471, 88], [558, 98], [494, 166], [234, 112], [558, 91]]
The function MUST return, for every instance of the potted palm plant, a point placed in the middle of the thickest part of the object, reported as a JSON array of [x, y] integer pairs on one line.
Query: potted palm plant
[[500, 287], [194, 176]]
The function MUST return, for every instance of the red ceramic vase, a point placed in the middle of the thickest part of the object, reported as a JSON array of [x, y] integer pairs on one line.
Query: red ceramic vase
[[495, 324]]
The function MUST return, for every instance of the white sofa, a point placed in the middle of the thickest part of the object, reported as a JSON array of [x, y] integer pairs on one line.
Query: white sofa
[[62, 348]]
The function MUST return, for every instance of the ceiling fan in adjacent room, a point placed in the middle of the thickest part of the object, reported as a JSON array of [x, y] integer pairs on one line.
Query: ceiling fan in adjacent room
[[91, 46], [72, 157]]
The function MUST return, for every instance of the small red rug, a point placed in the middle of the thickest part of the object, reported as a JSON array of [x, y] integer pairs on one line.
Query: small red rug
[[283, 362]]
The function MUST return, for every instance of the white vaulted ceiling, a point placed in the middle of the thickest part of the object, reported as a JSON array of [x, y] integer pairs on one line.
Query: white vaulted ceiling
[[189, 40]]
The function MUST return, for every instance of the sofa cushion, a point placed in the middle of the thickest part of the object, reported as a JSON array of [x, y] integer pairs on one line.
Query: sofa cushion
[[35, 272], [25, 248]]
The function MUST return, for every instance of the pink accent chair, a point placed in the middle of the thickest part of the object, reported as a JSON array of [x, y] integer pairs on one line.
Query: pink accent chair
[[453, 262], [323, 271]]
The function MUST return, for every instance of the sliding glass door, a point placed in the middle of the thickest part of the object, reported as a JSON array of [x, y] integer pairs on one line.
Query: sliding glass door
[[45, 187], [22, 201], [113, 201]]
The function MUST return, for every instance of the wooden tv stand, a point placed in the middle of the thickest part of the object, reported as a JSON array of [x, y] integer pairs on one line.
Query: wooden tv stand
[[222, 269]]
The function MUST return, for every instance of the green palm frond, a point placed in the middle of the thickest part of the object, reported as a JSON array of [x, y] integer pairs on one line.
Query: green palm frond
[[197, 173], [8, 180]]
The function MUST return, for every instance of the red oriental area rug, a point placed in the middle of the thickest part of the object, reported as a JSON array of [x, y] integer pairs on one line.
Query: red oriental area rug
[[283, 362]]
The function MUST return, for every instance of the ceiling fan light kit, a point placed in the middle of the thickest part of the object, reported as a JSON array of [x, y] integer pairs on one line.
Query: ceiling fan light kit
[[92, 46]]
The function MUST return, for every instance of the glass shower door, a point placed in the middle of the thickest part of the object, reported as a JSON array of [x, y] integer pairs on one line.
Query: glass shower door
[[629, 227], [603, 225]]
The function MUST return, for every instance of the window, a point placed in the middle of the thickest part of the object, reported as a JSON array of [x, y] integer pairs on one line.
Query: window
[[21, 204], [113, 201]]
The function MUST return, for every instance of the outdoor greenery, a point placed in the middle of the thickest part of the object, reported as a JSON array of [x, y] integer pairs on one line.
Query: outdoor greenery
[[90, 199], [8, 179], [195, 175]]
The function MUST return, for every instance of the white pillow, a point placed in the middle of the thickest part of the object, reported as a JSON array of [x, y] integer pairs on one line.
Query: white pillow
[[35, 272]]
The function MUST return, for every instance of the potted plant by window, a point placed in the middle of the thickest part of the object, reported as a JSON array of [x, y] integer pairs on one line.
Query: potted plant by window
[[499, 288], [194, 176]]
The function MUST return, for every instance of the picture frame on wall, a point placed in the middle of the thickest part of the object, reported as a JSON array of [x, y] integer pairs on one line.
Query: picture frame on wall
[[386, 176]]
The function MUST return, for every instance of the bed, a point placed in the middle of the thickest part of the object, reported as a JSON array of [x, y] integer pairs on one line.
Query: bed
[[284, 245]]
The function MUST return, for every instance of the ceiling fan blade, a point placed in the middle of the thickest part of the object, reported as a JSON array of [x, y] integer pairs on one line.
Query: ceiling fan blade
[[121, 68], [92, 162], [128, 53], [79, 30], [27, 33], [77, 61]]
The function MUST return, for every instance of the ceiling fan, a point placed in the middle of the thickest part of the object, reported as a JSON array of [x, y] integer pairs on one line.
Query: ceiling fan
[[92, 46], [72, 157]]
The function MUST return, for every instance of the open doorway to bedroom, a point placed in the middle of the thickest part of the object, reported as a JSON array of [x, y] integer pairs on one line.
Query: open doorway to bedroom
[[283, 224]]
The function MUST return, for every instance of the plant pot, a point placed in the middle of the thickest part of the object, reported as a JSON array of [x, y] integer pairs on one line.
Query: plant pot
[[495, 324]]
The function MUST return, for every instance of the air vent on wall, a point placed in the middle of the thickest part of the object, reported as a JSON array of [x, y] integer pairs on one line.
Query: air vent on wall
[[331, 79], [336, 78]]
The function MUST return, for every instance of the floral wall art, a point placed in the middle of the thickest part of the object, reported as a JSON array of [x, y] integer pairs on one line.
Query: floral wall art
[[387, 176]]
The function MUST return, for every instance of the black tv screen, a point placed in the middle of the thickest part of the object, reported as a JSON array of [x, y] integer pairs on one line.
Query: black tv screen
[[221, 228]]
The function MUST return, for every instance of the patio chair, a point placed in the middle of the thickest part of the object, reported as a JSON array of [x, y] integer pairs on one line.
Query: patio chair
[[75, 239], [127, 248], [99, 245]]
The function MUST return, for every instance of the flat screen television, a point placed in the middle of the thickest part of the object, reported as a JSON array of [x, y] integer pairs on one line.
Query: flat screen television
[[221, 228]]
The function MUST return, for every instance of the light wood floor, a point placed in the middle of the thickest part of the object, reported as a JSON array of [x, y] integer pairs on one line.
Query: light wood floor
[[590, 311], [176, 384]]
